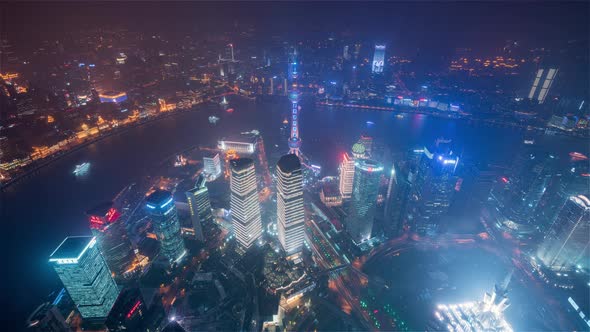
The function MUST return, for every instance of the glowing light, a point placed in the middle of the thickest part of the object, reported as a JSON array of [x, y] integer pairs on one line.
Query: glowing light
[[133, 309], [150, 206], [166, 203]]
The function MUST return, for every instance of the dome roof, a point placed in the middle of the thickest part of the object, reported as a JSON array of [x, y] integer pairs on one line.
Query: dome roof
[[358, 148]]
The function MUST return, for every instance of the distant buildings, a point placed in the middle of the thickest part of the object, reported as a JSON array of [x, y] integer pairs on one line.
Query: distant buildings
[[212, 166], [359, 222], [378, 59], [290, 213], [244, 146], [567, 243], [346, 176], [112, 97], [329, 193], [199, 206], [541, 84], [162, 211], [47, 318], [112, 238], [245, 209], [85, 275]]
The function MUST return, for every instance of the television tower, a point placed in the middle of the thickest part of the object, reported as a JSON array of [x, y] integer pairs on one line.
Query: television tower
[[294, 139]]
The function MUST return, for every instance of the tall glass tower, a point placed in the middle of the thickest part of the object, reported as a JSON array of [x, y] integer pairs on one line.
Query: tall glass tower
[[567, 243], [245, 209], [290, 213], [359, 224], [85, 275], [199, 206], [162, 211], [378, 59]]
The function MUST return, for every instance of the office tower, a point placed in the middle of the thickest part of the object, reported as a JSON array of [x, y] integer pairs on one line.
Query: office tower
[[567, 243], [111, 235], [212, 166], [85, 275], [162, 211], [434, 187], [345, 53], [539, 91], [199, 206], [359, 223], [290, 213], [346, 176], [367, 142], [359, 151], [402, 179], [245, 208], [378, 59]]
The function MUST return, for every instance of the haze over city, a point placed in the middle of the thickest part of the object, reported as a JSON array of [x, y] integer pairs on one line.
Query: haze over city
[[295, 166]]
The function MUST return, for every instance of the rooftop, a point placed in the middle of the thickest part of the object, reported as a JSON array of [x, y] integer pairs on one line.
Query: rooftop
[[159, 198], [101, 209], [72, 247], [289, 163], [241, 163]]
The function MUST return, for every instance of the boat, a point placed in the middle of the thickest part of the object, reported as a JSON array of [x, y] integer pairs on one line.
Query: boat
[[213, 119], [81, 169], [230, 110], [399, 116], [223, 101], [370, 123]]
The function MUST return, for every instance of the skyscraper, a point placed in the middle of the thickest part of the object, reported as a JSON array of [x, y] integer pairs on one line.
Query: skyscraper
[[112, 238], [294, 139], [567, 243], [85, 275], [434, 188], [199, 206], [212, 166], [367, 142], [359, 223], [378, 59], [290, 213], [359, 151], [539, 92], [162, 211], [346, 176], [245, 208]]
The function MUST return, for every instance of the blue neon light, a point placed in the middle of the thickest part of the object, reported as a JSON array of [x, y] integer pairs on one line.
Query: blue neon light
[[166, 204], [59, 296], [150, 206]]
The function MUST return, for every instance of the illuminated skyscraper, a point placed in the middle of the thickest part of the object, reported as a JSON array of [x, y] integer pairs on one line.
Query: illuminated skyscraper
[[290, 213], [162, 211], [567, 243], [378, 59], [367, 142], [245, 208], [346, 176], [539, 91], [359, 223], [434, 188], [359, 151], [199, 206], [112, 237], [85, 275], [212, 166]]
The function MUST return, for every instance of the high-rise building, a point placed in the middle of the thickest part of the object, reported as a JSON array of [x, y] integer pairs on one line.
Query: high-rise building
[[290, 213], [162, 211], [567, 243], [367, 142], [359, 223], [199, 206], [359, 151], [401, 181], [378, 59], [85, 275], [245, 208], [47, 318], [434, 187], [346, 53], [346, 176], [212, 166], [539, 91], [113, 242], [294, 139]]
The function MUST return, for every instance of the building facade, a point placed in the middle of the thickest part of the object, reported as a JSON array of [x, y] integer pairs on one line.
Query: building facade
[[85, 275], [378, 59], [212, 166], [162, 211], [245, 208], [199, 206], [290, 213], [346, 176], [359, 222]]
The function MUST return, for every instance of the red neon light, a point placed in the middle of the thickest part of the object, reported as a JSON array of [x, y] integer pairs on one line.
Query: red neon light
[[134, 309], [112, 215], [585, 174], [504, 179], [577, 156], [96, 222]]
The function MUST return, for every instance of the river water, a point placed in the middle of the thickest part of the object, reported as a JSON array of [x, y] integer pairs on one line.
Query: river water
[[38, 212]]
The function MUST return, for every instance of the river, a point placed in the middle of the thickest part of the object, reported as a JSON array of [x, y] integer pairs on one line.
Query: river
[[38, 212]]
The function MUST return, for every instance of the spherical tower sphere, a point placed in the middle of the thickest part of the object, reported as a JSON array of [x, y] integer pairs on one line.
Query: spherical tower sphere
[[294, 143], [358, 150], [294, 96]]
